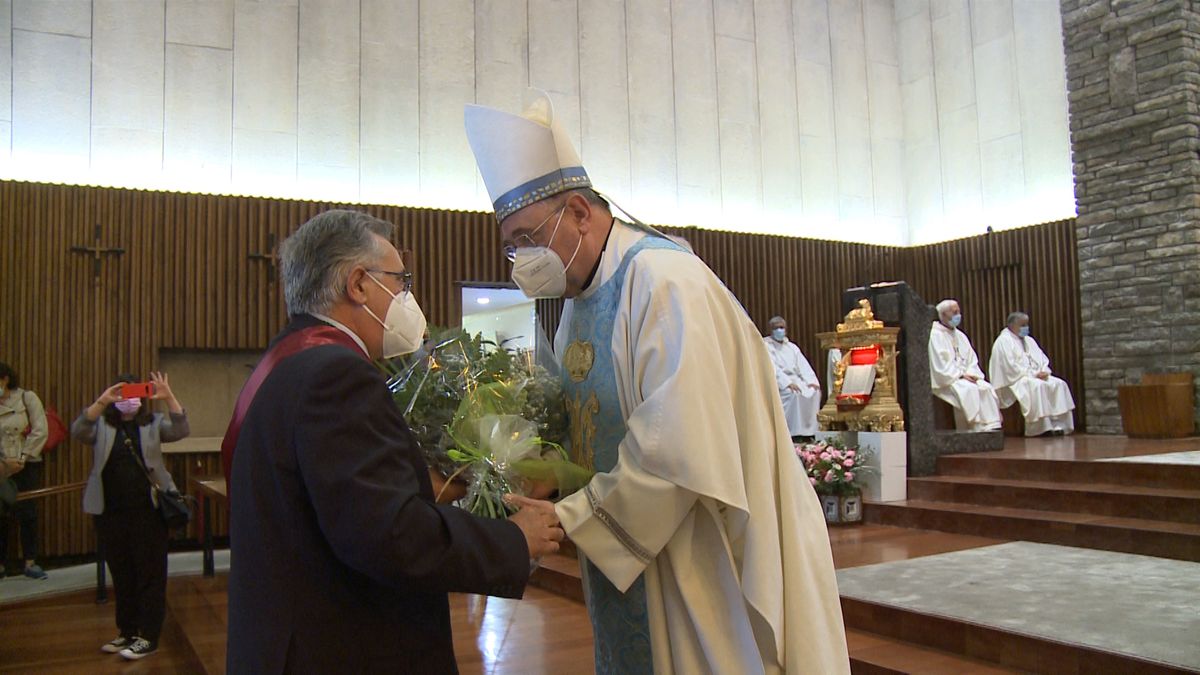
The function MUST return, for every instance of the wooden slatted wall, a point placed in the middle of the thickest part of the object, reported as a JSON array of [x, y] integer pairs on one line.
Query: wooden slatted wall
[[186, 281], [1033, 270]]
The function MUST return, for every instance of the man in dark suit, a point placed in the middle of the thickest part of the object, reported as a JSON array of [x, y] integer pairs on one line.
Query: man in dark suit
[[341, 559]]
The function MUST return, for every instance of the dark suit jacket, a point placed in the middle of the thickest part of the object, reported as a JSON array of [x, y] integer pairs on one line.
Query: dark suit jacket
[[341, 561]]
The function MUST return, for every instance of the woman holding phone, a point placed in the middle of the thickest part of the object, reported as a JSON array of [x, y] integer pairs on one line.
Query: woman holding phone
[[128, 469]]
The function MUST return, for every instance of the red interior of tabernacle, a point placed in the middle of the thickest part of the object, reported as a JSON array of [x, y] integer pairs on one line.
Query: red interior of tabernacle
[[861, 356]]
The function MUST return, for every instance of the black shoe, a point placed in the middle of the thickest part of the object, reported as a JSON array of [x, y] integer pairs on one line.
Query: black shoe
[[140, 649], [115, 647]]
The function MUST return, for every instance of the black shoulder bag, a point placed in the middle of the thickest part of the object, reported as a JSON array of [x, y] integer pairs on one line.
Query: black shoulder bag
[[174, 508]]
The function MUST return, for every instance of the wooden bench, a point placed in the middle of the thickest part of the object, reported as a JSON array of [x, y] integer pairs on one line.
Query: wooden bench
[[1162, 406], [1013, 420]]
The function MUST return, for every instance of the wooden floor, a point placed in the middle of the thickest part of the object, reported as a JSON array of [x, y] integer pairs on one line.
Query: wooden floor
[[544, 633], [63, 634]]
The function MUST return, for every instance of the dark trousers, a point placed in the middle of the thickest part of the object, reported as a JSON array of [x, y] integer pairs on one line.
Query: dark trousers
[[134, 544], [29, 478]]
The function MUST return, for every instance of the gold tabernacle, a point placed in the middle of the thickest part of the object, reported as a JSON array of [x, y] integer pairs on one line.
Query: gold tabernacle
[[863, 342]]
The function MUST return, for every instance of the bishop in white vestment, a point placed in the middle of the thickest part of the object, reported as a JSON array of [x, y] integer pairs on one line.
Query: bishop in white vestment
[[703, 545], [1020, 371], [955, 375], [799, 389]]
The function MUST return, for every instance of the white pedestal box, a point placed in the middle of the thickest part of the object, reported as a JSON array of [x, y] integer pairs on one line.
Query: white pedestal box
[[888, 479]]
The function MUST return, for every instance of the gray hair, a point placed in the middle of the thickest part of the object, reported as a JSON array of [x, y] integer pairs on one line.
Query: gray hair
[[1015, 317], [945, 305], [775, 319], [317, 258]]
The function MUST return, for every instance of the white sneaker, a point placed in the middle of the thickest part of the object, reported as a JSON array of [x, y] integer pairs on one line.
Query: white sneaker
[[140, 649], [116, 645]]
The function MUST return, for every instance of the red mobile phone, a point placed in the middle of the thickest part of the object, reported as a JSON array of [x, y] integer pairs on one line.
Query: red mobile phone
[[137, 390]]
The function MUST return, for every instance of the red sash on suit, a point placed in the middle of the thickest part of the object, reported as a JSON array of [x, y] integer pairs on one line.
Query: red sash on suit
[[307, 338]]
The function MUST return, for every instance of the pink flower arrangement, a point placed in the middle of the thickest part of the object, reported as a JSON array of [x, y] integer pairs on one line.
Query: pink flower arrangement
[[831, 467]]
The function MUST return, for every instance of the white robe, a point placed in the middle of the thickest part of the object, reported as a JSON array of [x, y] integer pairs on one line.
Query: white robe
[[951, 356], [1014, 366], [791, 368], [740, 577], [835, 356]]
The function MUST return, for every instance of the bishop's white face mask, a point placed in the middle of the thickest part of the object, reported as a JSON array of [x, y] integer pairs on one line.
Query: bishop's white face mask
[[404, 325], [538, 270]]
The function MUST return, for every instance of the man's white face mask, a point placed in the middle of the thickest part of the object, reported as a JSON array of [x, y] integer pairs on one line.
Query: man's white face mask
[[538, 270], [404, 324]]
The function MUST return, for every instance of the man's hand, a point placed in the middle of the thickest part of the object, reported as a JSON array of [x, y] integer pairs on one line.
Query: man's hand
[[1043, 375], [539, 524], [794, 387], [970, 378]]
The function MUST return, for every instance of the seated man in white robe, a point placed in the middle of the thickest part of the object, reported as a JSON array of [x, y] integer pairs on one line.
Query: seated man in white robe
[[799, 388], [1021, 374], [955, 374]]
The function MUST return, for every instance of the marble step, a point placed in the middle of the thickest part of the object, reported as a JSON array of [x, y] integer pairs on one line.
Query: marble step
[[987, 645], [559, 573], [1180, 541], [1131, 474], [1098, 499]]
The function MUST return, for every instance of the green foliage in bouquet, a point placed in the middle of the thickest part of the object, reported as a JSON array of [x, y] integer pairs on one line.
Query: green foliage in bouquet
[[486, 416], [496, 446]]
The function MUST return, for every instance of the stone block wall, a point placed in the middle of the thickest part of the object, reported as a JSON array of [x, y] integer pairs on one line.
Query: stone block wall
[[1133, 77]]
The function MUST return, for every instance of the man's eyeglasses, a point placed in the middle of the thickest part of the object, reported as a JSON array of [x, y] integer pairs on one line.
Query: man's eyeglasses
[[405, 278], [510, 250]]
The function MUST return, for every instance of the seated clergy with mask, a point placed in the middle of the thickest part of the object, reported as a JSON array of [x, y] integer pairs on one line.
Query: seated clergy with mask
[[1020, 372], [955, 375], [799, 389]]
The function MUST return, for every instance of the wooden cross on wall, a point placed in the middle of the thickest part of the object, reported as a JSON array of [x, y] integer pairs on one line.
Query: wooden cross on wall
[[97, 251], [271, 257]]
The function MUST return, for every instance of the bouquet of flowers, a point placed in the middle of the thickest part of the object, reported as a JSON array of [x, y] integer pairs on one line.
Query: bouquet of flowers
[[486, 416], [833, 468]]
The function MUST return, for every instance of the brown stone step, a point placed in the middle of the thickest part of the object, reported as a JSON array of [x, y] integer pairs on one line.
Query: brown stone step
[[567, 548], [1098, 499], [875, 654], [989, 644], [1180, 541], [1133, 474], [870, 653], [560, 575]]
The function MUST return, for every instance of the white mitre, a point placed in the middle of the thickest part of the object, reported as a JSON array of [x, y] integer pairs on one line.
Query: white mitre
[[523, 158]]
